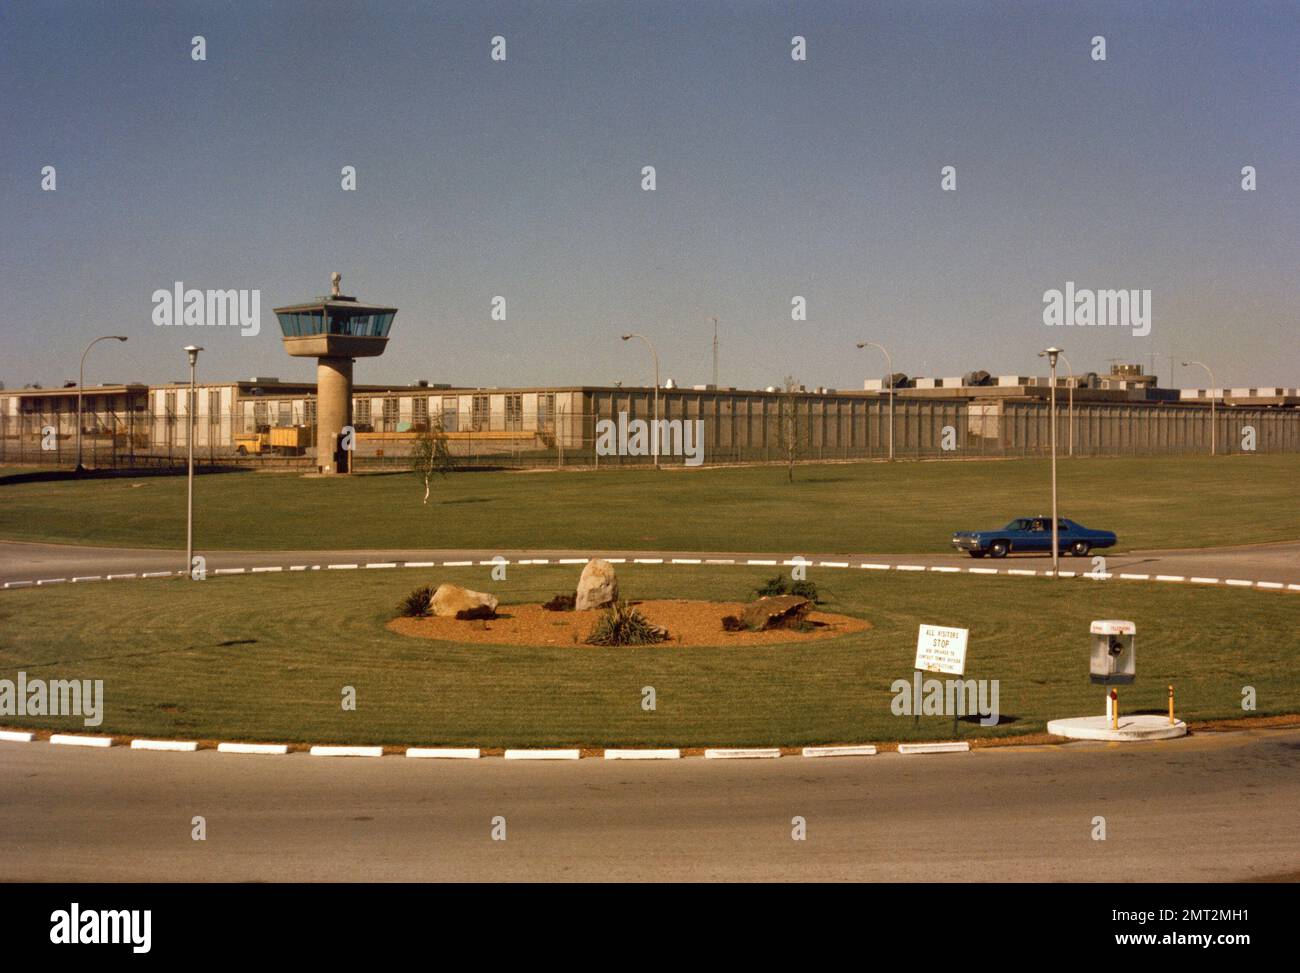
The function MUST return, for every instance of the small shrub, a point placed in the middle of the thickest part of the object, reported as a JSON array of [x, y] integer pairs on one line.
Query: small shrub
[[561, 603], [416, 604], [778, 585], [805, 589], [730, 623], [621, 624]]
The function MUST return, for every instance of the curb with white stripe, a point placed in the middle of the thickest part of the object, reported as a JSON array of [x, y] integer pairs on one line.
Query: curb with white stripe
[[267, 748], [956, 747], [176, 746], [72, 740]]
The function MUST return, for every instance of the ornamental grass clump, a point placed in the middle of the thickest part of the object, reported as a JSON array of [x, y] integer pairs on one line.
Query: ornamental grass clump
[[416, 604], [621, 624]]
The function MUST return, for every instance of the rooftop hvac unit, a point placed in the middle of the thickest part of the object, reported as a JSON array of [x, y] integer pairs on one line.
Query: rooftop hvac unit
[[977, 379]]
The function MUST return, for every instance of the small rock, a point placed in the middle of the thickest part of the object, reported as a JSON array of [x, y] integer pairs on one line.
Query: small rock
[[560, 603], [781, 611], [453, 601], [597, 587]]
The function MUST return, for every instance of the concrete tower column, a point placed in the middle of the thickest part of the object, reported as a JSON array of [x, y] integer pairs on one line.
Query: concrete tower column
[[333, 412]]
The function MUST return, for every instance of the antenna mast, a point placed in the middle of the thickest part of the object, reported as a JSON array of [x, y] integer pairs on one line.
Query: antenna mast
[[715, 352]]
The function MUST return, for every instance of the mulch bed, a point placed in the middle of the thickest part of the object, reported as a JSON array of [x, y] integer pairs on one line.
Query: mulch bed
[[689, 623]]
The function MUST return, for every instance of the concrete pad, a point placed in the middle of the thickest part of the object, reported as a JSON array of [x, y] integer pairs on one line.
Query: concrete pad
[[1131, 728], [15, 736]]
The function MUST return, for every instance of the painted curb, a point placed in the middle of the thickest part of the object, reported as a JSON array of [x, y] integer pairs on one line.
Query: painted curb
[[14, 736], [271, 748], [960, 747], [178, 746], [743, 753], [543, 754], [862, 751], [347, 751], [444, 753], [643, 754], [70, 740]]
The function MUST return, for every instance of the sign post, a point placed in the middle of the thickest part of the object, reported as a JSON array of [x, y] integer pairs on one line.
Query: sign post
[[941, 648]]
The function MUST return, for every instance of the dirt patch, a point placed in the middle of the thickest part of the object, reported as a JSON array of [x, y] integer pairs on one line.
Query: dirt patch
[[689, 623]]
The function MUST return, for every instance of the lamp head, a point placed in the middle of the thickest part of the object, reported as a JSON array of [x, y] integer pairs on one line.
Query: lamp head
[[1050, 354], [193, 352], [627, 337], [862, 344], [120, 337]]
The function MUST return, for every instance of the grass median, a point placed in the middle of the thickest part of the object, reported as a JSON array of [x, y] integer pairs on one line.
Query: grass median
[[267, 657], [906, 507]]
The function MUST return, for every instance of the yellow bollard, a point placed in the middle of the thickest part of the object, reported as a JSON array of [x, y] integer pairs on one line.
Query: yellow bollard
[[1171, 704], [1114, 709]]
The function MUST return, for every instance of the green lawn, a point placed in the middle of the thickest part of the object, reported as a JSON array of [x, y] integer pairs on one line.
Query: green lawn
[[866, 507], [265, 657]]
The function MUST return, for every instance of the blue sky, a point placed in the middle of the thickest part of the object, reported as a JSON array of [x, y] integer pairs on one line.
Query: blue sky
[[775, 178]]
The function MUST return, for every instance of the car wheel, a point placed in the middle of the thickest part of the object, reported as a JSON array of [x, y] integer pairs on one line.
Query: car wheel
[[1080, 548], [999, 549]]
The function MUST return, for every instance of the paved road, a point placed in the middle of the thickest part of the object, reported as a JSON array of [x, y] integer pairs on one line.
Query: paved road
[[1212, 807], [1276, 563]]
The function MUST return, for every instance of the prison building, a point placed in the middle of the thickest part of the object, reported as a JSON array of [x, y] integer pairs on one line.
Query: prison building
[[268, 421]]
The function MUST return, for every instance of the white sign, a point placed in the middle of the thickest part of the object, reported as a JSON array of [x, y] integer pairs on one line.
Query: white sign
[[941, 649]]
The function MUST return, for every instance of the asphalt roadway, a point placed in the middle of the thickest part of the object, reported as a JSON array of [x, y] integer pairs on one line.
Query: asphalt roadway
[[1211, 807], [1279, 563]]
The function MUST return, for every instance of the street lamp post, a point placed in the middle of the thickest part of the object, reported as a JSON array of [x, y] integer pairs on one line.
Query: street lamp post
[[81, 383], [654, 438], [1073, 381], [1213, 444], [1051, 355], [193, 352], [889, 363]]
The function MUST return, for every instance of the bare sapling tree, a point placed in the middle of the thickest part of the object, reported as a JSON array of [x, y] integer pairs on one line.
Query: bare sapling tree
[[431, 456]]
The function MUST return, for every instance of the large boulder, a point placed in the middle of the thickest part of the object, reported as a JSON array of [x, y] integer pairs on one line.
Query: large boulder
[[453, 601], [597, 587], [780, 611]]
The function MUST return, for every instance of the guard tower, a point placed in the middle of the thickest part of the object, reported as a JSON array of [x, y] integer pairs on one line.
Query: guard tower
[[335, 330]]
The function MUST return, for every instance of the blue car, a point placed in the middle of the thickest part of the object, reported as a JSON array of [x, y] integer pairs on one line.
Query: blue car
[[1032, 534]]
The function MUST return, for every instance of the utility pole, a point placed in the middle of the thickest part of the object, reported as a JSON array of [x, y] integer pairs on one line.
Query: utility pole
[[1051, 354], [192, 352]]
